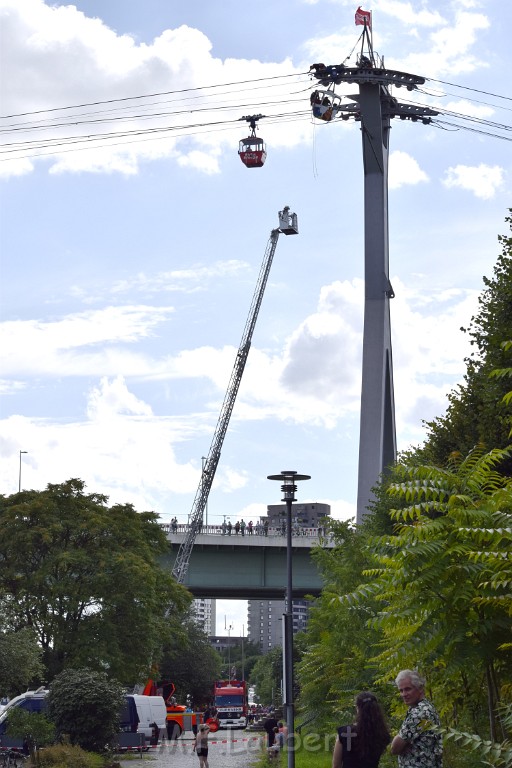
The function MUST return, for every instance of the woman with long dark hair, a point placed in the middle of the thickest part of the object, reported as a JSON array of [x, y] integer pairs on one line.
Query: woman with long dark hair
[[361, 744]]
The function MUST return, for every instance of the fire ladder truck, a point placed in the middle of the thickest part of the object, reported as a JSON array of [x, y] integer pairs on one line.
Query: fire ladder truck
[[287, 226]]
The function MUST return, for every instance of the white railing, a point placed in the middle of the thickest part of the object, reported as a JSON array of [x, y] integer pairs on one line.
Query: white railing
[[257, 531]]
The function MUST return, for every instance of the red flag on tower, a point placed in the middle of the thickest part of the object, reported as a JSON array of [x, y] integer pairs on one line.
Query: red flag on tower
[[363, 17]]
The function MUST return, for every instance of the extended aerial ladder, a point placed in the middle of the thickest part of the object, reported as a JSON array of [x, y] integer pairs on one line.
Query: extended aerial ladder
[[287, 226]]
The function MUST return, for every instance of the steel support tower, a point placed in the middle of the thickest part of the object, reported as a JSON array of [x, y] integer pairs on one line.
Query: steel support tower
[[374, 107]]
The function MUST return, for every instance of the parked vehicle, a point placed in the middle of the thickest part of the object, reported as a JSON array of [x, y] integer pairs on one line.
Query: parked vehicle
[[30, 701], [230, 699], [141, 714], [144, 714]]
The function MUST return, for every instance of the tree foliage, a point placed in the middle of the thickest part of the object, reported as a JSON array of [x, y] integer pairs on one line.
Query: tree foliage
[[85, 706], [267, 675], [426, 581], [189, 661], [334, 666], [33, 727], [476, 411], [85, 578], [20, 661]]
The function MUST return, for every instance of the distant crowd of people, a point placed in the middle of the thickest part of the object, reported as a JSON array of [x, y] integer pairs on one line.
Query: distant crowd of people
[[240, 527]]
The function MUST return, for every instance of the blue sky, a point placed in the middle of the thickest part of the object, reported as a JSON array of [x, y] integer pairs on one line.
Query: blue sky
[[128, 263]]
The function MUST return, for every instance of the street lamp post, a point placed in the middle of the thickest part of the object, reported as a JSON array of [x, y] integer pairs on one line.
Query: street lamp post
[[19, 476], [243, 660], [288, 487], [229, 628]]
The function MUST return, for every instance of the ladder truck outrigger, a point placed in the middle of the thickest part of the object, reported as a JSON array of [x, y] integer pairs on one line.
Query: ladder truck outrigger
[[287, 226]]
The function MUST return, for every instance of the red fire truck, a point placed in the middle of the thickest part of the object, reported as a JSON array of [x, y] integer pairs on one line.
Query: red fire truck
[[230, 699]]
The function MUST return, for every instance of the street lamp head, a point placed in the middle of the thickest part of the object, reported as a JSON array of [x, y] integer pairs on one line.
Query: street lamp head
[[288, 478]]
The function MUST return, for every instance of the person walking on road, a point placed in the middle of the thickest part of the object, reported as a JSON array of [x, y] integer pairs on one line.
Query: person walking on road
[[417, 743], [201, 745], [361, 744]]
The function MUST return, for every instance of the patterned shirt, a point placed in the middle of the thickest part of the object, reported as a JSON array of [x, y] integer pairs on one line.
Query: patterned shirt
[[425, 748]]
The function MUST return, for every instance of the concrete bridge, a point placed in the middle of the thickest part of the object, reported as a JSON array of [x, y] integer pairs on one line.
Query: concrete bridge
[[250, 566]]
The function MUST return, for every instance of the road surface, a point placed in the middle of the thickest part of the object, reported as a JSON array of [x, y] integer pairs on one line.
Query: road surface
[[226, 749]]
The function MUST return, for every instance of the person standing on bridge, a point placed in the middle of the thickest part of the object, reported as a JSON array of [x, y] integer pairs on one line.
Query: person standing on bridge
[[242, 527], [201, 745]]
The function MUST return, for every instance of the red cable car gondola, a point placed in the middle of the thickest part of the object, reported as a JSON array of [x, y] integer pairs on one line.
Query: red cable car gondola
[[252, 150]]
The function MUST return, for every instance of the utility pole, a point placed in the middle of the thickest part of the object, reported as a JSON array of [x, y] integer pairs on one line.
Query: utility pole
[[374, 107]]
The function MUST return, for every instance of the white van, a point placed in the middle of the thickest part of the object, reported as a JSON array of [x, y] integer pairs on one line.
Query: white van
[[30, 701], [141, 714], [151, 713]]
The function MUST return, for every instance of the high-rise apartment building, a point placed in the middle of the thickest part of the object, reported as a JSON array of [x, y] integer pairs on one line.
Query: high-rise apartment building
[[204, 609], [265, 621]]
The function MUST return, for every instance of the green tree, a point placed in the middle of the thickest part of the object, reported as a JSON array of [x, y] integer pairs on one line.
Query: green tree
[[85, 706], [239, 659], [476, 413], [189, 661], [20, 661], [267, 675], [85, 578], [33, 727], [338, 642], [445, 605]]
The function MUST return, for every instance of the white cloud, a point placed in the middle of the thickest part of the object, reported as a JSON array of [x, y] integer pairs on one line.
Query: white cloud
[[428, 350], [404, 169], [313, 378], [79, 344], [120, 447], [112, 398], [465, 107], [483, 180], [410, 15], [58, 57], [14, 168], [447, 50], [201, 161], [180, 280], [340, 509]]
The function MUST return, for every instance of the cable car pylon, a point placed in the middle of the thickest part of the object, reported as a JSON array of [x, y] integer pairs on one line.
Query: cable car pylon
[[373, 107], [252, 149]]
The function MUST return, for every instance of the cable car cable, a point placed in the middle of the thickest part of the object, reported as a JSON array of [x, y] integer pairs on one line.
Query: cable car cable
[[150, 95]]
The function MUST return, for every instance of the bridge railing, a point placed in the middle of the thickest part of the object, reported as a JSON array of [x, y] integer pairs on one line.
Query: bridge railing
[[257, 530]]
